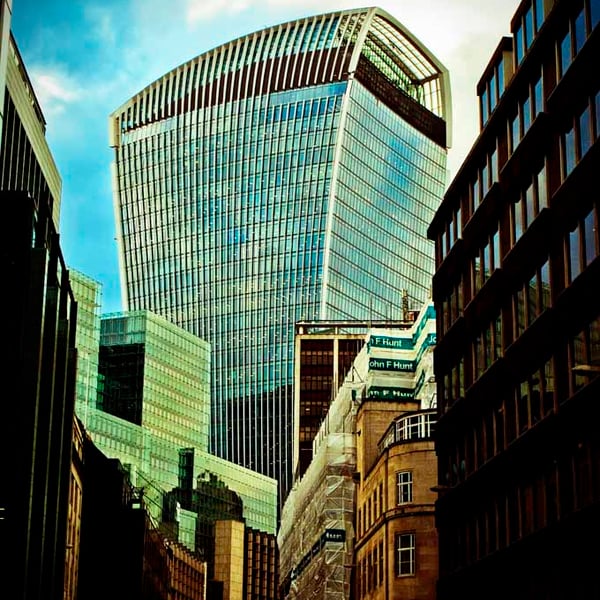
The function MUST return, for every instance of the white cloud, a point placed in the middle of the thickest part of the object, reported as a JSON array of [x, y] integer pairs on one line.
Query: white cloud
[[206, 10], [54, 90]]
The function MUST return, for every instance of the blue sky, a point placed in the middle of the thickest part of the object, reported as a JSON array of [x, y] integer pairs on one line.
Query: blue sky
[[86, 57]]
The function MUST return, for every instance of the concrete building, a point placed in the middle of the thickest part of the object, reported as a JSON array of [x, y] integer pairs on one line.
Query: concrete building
[[187, 573], [518, 307], [274, 179], [345, 510]]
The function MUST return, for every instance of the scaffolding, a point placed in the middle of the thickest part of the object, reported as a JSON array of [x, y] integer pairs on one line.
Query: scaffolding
[[316, 537]]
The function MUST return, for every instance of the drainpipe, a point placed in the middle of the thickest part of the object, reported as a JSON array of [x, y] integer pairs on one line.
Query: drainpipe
[[385, 531]]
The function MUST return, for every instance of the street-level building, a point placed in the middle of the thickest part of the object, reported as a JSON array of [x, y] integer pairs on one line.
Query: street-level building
[[518, 304], [343, 525]]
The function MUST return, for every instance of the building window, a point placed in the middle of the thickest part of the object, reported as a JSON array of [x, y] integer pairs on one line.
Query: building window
[[529, 106], [405, 554], [404, 483], [578, 30], [594, 13], [528, 205], [580, 135], [492, 91], [527, 27], [415, 427]]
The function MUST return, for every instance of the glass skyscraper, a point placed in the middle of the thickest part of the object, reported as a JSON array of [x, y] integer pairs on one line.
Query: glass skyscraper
[[143, 395], [290, 174]]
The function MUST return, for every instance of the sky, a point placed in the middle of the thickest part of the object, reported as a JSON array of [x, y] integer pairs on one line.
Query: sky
[[87, 57]]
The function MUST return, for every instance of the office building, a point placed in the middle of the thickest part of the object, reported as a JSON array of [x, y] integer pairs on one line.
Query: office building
[[26, 160], [39, 375], [156, 375], [239, 559], [287, 175], [88, 293], [38, 367], [518, 355], [152, 451], [153, 401], [323, 354]]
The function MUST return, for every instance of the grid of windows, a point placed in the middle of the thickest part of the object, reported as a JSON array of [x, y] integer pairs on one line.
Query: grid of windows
[[583, 130], [560, 489], [523, 361], [576, 30], [243, 209], [527, 26]]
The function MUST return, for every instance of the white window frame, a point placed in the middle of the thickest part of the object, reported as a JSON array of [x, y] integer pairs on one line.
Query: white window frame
[[405, 554], [404, 487]]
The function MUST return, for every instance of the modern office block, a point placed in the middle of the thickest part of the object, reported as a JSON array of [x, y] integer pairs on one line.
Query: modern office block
[[287, 175], [153, 402], [518, 304], [88, 294], [156, 375], [152, 455], [26, 162], [38, 366], [218, 529], [39, 377]]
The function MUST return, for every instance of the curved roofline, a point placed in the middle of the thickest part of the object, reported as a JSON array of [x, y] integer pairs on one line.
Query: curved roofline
[[371, 12], [444, 73]]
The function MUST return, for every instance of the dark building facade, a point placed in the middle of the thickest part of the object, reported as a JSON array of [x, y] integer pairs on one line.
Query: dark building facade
[[518, 304], [39, 390], [122, 553], [322, 357], [38, 366]]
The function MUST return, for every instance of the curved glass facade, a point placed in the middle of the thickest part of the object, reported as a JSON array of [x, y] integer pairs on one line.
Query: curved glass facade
[[287, 175]]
